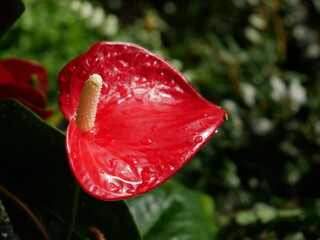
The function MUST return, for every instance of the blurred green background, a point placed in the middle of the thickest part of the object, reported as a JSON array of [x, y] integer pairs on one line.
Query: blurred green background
[[258, 59]]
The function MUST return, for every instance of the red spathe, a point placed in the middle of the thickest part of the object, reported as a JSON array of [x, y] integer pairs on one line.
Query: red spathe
[[150, 121]]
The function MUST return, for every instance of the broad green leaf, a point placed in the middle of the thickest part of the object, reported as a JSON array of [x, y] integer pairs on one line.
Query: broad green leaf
[[10, 11], [34, 165], [173, 211]]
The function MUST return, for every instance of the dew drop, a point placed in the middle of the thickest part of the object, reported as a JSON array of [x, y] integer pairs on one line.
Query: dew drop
[[146, 141], [102, 172], [186, 128], [130, 191], [145, 58], [82, 73], [107, 58], [114, 187], [108, 74], [135, 162], [171, 83], [74, 156], [160, 76], [100, 67], [64, 99], [152, 84], [122, 65], [63, 78], [133, 60], [148, 175], [125, 112], [171, 168], [154, 128], [94, 61], [73, 68], [198, 139], [86, 66]]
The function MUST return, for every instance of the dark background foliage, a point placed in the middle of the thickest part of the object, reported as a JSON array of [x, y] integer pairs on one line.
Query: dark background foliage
[[258, 59]]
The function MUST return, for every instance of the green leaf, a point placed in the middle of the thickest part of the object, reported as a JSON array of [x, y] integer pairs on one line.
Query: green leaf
[[10, 11], [34, 165], [172, 211]]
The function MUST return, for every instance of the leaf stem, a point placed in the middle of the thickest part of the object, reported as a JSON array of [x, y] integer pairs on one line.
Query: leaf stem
[[25, 209], [73, 210]]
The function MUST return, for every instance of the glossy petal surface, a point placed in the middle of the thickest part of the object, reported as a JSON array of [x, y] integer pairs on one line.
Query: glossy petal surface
[[150, 121]]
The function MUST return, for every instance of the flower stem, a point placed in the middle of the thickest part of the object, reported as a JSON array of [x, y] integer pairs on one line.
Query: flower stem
[[73, 210]]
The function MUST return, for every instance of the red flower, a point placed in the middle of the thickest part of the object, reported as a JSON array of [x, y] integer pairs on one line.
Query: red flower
[[134, 119], [25, 81]]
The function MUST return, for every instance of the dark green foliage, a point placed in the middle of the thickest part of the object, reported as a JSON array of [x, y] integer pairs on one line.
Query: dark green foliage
[[257, 59], [9, 13]]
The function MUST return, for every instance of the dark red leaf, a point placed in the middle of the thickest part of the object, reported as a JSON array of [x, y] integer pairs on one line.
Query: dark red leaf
[[150, 121]]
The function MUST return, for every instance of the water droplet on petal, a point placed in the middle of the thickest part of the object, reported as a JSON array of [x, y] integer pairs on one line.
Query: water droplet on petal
[[122, 65], [64, 99], [125, 112], [171, 83], [82, 73], [171, 168], [154, 128], [107, 58], [100, 67], [135, 161], [186, 128], [144, 58], [198, 139], [149, 176], [152, 84], [114, 187], [86, 65], [63, 78], [146, 141], [160, 76], [108, 74], [94, 61]]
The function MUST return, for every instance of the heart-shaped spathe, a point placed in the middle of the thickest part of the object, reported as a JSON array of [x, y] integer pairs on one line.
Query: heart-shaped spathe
[[150, 121]]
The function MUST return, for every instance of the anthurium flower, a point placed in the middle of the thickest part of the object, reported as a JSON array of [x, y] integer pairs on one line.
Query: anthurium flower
[[25, 81], [134, 119]]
